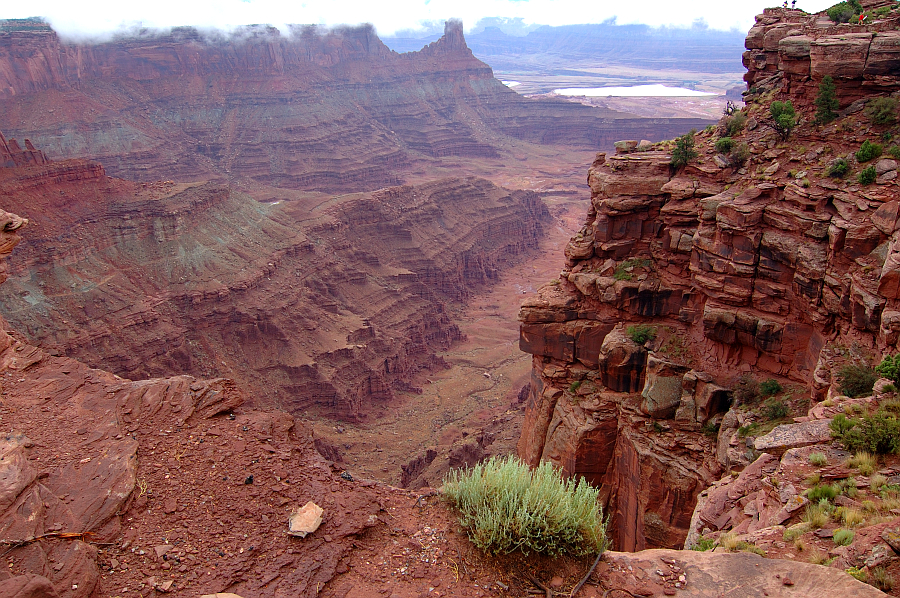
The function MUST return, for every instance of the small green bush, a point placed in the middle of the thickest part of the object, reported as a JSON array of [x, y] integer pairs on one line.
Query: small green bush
[[826, 101], [842, 12], [774, 409], [868, 151], [889, 368], [867, 176], [724, 144], [769, 387], [882, 111], [784, 118], [843, 537], [877, 433], [857, 380], [734, 124], [704, 544], [684, 151], [739, 154], [838, 169], [894, 151], [505, 506], [575, 385], [817, 459], [641, 333], [826, 491]]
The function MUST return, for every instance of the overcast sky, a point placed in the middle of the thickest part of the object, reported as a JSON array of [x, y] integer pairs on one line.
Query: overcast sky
[[90, 17]]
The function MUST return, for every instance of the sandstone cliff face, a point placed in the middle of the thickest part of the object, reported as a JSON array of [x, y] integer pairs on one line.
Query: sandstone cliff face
[[332, 305], [769, 267], [333, 110]]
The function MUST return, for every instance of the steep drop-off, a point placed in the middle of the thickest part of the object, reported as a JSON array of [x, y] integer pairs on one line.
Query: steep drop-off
[[327, 110], [324, 304], [769, 267]]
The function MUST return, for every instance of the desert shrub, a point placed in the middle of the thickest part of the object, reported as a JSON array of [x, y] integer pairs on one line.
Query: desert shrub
[[838, 169], [817, 459], [575, 385], [641, 333], [739, 154], [769, 387], [857, 380], [889, 368], [867, 176], [863, 461], [774, 409], [868, 151], [851, 517], [784, 117], [843, 537], [704, 544], [505, 506], [842, 12], [724, 144], [826, 491], [684, 151], [882, 111], [877, 433], [826, 101], [746, 391], [816, 516], [734, 124], [881, 579], [894, 151]]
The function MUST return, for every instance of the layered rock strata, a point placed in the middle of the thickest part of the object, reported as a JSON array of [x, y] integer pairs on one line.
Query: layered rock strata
[[681, 281], [333, 305], [327, 110]]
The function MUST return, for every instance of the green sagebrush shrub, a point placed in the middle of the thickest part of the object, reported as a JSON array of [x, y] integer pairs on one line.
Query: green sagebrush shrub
[[641, 333], [724, 144], [889, 368], [882, 111], [838, 169], [506, 506], [868, 151], [877, 433], [867, 176], [857, 380]]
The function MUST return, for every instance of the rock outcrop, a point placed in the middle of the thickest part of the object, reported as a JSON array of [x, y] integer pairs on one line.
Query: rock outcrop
[[327, 110], [723, 268]]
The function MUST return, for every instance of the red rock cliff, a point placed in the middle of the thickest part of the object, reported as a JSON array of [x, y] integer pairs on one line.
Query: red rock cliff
[[769, 267]]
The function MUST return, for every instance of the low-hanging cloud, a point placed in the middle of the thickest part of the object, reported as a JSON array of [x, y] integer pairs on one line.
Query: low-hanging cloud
[[98, 17]]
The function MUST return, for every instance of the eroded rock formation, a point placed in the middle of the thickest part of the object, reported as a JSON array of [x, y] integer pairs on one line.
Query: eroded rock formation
[[333, 308], [769, 266], [328, 110]]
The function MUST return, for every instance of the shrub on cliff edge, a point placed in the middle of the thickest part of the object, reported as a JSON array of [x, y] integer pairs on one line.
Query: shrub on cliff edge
[[890, 368], [641, 333], [505, 506], [784, 118], [882, 111], [684, 151], [842, 12]]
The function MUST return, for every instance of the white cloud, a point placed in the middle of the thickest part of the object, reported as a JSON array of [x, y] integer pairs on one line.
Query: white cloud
[[87, 17]]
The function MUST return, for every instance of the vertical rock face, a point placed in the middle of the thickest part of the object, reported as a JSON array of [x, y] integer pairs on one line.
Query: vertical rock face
[[680, 281], [326, 110]]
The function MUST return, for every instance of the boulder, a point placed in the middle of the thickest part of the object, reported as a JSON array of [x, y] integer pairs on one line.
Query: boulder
[[788, 436]]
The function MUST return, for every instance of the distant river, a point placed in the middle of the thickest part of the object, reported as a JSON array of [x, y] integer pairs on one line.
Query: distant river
[[633, 91]]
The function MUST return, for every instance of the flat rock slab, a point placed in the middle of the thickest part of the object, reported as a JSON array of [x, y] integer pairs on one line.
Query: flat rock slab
[[712, 575], [788, 436]]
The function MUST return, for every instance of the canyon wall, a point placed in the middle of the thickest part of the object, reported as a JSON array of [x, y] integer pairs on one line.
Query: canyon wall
[[769, 267], [331, 305], [327, 110]]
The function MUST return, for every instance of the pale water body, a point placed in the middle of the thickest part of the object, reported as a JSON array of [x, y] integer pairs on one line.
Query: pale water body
[[633, 91], [510, 83]]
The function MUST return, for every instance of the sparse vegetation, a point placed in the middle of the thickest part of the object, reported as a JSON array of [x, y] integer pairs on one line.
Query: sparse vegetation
[[843, 537], [882, 111], [842, 12], [623, 270], [641, 333], [505, 506], [734, 124], [746, 391], [784, 118], [878, 433], [868, 151], [889, 368], [825, 491], [817, 459], [740, 154], [857, 380], [704, 544], [852, 517], [574, 386], [770, 387], [774, 409], [838, 169], [816, 516], [881, 579], [684, 151], [826, 101], [894, 151], [724, 145]]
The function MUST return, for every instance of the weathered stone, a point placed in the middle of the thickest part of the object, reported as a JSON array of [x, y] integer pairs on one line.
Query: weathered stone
[[662, 388], [787, 436], [305, 520]]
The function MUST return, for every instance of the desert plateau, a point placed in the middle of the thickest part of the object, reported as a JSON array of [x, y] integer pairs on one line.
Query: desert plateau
[[585, 309]]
